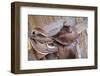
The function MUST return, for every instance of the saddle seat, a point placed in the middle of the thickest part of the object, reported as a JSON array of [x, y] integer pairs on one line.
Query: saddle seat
[[65, 38]]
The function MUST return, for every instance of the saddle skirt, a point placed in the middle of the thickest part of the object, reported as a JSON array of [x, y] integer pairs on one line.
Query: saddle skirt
[[42, 44], [43, 48]]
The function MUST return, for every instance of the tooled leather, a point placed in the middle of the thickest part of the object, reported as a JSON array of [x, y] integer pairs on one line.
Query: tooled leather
[[66, 49]]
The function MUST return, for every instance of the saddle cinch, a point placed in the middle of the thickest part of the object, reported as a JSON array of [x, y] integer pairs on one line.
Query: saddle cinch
[[60, 46]]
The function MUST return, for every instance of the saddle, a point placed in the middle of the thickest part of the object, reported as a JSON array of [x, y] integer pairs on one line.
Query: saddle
[[66, 40], [60, 46], [42, 45]]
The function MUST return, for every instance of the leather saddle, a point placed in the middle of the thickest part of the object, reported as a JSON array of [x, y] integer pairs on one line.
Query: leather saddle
[[66, 40], [42, 44], [60, 46]]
